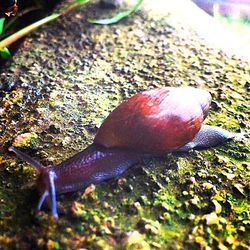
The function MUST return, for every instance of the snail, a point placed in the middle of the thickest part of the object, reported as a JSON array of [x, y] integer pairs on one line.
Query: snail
[[149, 124]]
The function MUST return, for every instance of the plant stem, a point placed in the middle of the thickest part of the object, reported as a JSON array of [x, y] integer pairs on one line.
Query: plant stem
[[19, 34]]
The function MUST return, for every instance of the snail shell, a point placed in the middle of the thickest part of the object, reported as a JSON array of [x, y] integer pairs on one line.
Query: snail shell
[[157, 120]]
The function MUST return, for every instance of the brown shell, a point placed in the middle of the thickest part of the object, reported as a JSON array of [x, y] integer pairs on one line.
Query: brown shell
[[156, 120]]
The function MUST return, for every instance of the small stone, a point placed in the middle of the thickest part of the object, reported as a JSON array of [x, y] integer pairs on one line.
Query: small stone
[[223, 220], [208, 186], [166, 217], [135, 240], [165, 206], [96, 219], [156, 245], [242, 229], [26, 140], [238, 188], [195, 200], [137, 205], [1, 111], [151, 229], [218, 207], [185, 193], [215, 105], [191, 217], [143, 200], [229, 176], [230, 239], [222, 247], [192, 180], [211, 218], [54, 129], [78, 209], [148, 226], [51, 244], [121, 182], [90, 189], [66, 141]]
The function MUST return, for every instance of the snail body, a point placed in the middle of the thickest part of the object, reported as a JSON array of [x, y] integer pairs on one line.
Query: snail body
[[148, 124]]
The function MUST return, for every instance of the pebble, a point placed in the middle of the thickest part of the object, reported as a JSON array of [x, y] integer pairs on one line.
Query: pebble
[[195, 200], [55, 129], [211, 218], [217, 206], [239, 189], [143, 200], [26, 140], [208, 186], [229, 176], [135, 240], [192, 180], [89, 190]]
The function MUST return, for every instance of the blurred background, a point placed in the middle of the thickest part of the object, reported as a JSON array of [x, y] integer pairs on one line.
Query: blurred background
[[233, 13]]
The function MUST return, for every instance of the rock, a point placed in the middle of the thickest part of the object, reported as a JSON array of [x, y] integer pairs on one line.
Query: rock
[[26, 140], [217, 207], [135, 240], [239, 189], [208, 186], [211, 218]]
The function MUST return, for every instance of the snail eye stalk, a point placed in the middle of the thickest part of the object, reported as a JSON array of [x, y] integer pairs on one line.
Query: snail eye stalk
[[52, 193], [42, 199], [34, 163]]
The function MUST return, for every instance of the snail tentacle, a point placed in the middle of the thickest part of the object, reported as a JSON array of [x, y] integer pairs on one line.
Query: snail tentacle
[[52, 193], [34, 163], [42, 199]]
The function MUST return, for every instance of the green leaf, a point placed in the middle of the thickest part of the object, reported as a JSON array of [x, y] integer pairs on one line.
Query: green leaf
[[118, 16], [1, 24], [5, 53]]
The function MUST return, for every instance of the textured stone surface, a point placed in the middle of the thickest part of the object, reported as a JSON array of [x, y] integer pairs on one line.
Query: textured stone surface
[[65, 80]]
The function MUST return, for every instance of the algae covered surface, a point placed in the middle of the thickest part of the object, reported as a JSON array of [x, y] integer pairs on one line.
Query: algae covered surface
[[64, 81]]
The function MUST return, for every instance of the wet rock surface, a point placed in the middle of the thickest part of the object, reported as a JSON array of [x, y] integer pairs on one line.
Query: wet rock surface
[[64, 81]]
